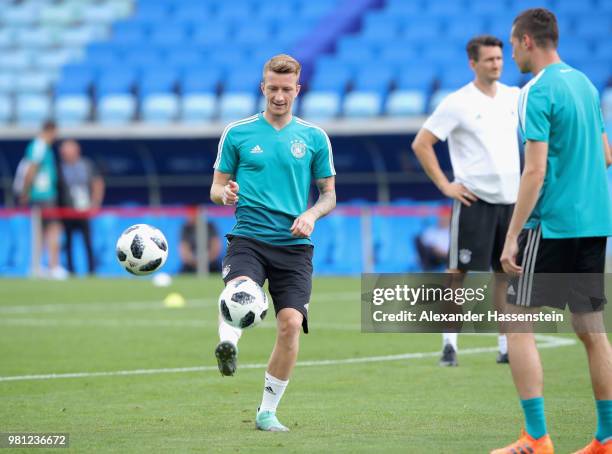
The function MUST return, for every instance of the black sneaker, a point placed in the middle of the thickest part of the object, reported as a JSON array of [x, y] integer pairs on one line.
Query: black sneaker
[[226, 358], [449, 357], [502, 358]]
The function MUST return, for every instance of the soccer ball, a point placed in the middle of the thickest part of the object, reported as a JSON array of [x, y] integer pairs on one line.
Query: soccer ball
[[243, 304], [142, 249]]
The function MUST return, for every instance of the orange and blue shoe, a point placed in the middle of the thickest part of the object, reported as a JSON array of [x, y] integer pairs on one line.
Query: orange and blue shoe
[[526, 444], [597, 447]]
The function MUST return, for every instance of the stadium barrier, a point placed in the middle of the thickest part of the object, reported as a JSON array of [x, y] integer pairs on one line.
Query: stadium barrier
[[351, 240]]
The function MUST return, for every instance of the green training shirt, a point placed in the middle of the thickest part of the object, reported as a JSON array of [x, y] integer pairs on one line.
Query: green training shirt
[[560, 106], [44, 186], [274, 169]]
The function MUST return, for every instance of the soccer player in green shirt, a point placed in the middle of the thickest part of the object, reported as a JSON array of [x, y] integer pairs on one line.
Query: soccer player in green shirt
[[560, 224], [264, 166]]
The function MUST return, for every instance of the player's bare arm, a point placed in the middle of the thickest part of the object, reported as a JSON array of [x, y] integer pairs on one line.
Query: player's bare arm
[[304, 224], [423, 147], [607, 150], [529, 191], [224, 191]]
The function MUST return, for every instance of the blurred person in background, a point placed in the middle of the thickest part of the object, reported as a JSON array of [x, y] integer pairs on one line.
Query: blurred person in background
[[83, 191], [433, 243], [188, 247], [39, 188]]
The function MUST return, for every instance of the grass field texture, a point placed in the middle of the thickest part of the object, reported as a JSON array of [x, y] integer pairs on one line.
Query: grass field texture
[[349, 393]]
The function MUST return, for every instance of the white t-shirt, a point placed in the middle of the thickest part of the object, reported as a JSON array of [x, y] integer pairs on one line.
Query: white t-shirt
[[482, 140]]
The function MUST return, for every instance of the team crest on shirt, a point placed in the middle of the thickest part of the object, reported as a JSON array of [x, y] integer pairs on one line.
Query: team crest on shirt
[[298, 148], [465, 256]]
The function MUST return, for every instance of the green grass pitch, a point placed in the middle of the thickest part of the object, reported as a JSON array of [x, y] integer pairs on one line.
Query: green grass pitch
[[346, 396]]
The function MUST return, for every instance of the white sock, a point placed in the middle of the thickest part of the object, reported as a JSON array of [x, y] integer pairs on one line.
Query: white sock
[[229, 333], [502, 342], [272, 393], [449, 338]]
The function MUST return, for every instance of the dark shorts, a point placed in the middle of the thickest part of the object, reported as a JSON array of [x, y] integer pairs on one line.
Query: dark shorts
[[288, 270], [477, 235], [559, 272]]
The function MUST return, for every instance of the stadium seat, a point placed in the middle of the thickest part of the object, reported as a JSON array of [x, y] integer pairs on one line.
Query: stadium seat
[[115, 81], [453, 80], [33, 82], [404, 8], [6, 108], [174, 35], [574, 50], [100, 13], [160, 108], [422, 30], [593, 27], [380, 33], [315, 9], [413, 77], [275, 11], [52, 60], [252, 33], [444, 8], [7, 82], [198, 107], [7, 37], [290, 34], [320, 105], [153, 12], [235, 11], [362, 104], [74, 79], [374, 78], [203, 79], [25, 14], [192, 13], [215, 34], [396, 53], [72, 109], [81, 35], [130, 33], [15, 60], [606, 103], [36, 37], [463, 28], [116, 109], [597, 72], [243, 79], [405, 103], [160, 81], [102, 55], [233, 106], [32, 110], [572, 7], [603, 50], [59, 14], [488, 7], [144, 59], [185, 58]]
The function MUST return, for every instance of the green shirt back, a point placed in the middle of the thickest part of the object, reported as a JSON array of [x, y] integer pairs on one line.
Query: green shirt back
[[560, 106], [274, 169], [44, 186]]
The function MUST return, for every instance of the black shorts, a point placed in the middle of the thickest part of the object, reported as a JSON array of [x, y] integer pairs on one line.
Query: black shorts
[[46, 204], [559, 272], [477, 235], [287, 268]]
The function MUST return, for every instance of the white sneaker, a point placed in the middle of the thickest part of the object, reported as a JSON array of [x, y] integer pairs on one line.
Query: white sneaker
[[58, 273]]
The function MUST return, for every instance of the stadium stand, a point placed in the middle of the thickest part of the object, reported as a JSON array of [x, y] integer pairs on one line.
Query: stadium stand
[[98, 60]]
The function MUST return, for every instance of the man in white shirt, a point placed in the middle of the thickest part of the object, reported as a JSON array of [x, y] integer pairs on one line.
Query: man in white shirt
[[480, 122]]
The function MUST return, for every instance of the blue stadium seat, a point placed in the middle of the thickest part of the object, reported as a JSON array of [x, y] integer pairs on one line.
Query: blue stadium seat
[[517, 6], [79, 36], [216, 33], [233, 106], [202, 79], [75, 79], [72, 109], [276, 11], [362, 104], [405, 103], [423, 29], [32, 110], [7, 37], [100, 13], [7, 82], [115, 81], [227, 57], [170, 35], [575, 50], [22, 14], [185, 57], [15, 60], [445, 55], [572, 7], [374, 78], [404, 7], [378, 32], [235, 11], [478, 7], [290, 34], [511, 74], [314, 9], [192, 13], [138, 57], [36, 37], [597, 72], [334, 81], [160, 108], [416, 77], [321, 105], [252, 33], [153, 12], [6, 108], [116, 109], [262, 53], [603, 50], [130, 33], [444, 8], [52, 60], [397, 53], [102, 55], [464, 28], [159, 81], [500, 26], [34, 82], [593, 27], [198, 107], [243, 79], [354, 51]]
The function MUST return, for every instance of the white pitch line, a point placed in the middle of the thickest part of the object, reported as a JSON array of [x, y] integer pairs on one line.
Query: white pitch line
[[545, 342], [145, 305], [144, 323]]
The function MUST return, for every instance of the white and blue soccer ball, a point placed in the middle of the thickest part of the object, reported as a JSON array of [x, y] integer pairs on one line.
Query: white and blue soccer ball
[[142, 249], [243, 304]]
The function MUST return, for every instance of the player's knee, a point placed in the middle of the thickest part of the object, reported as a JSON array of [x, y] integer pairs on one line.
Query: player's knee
[[591, 340], [289, 323]]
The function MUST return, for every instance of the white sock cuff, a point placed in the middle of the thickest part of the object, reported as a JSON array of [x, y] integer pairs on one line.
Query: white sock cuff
[[276, 381]]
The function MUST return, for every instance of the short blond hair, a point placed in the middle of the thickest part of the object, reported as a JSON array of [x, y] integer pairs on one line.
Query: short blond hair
[[283, 64]]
